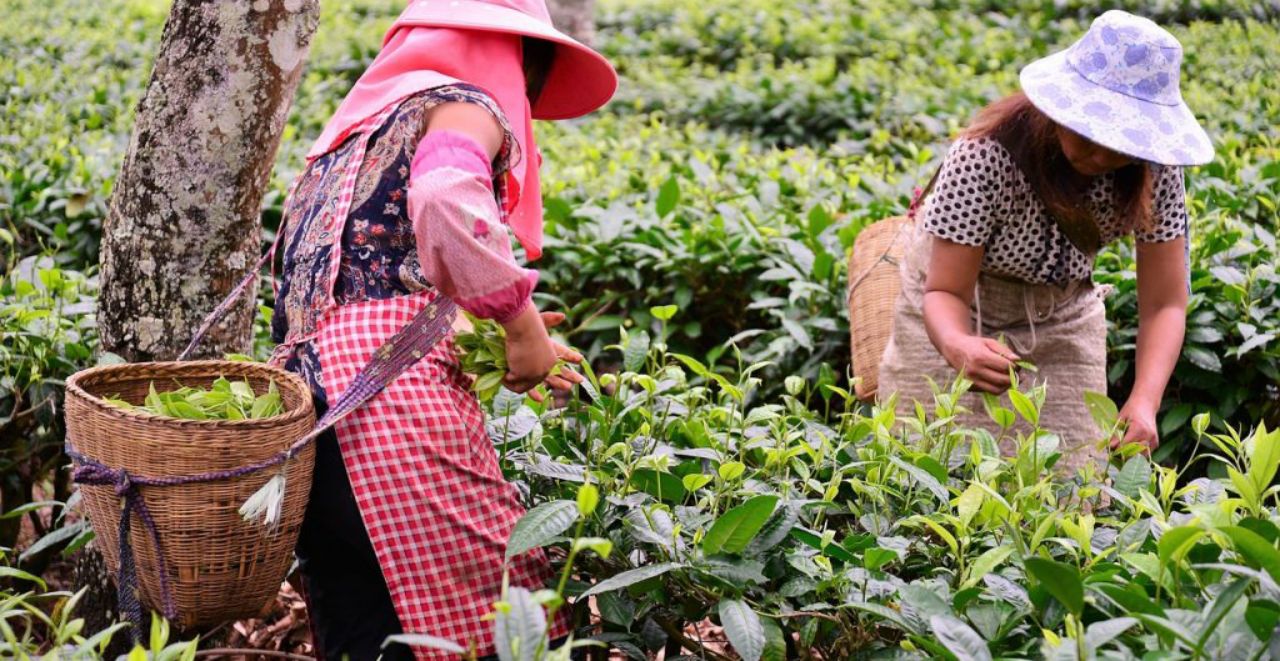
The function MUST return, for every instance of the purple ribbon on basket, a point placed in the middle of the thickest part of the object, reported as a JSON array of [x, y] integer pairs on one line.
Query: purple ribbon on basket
[[389, 361], [95, 473]]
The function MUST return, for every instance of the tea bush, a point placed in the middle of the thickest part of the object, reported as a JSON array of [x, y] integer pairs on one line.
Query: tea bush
[[799, 532], [748, 144], [42, 624], [46, 334]]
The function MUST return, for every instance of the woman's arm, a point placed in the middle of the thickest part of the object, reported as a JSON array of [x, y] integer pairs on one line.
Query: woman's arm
[[949, 285], [1162, 321], [470, 120], [463, 246]]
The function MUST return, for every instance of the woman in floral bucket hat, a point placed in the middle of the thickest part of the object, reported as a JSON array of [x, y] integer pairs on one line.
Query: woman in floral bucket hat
[[404, 207], [1088, 152]]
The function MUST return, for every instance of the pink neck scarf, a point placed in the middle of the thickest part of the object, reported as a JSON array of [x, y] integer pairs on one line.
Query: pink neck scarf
[[420, 58]]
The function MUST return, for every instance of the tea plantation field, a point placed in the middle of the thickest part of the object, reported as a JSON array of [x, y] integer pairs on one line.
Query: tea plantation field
[[717, 470]]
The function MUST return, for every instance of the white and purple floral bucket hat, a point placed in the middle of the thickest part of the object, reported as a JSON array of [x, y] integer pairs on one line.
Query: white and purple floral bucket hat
[[1118, 87]]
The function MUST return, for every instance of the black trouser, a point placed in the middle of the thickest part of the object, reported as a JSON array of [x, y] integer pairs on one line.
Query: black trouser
[[347, 598]]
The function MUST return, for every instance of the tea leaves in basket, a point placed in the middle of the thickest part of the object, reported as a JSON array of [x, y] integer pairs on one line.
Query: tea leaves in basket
[[224, 400]]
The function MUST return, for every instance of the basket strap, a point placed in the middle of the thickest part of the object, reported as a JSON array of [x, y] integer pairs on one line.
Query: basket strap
[[918, 194], [364, 131], [917, 197]]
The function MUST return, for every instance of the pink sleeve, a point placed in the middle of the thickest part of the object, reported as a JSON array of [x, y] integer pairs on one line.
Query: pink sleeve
[[463, 245]]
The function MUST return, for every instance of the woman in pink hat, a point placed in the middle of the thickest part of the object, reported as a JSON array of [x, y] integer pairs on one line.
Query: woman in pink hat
[[1088, 152], [405, 201]]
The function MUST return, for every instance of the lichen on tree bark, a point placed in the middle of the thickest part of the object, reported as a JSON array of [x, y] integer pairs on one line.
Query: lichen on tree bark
[[183, 224]]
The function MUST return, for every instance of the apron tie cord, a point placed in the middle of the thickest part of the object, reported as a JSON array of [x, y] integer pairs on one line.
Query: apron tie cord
[[1029, 306], [977, 301]]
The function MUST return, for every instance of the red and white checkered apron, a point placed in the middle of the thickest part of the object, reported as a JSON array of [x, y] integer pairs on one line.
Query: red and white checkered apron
[[421, 466]]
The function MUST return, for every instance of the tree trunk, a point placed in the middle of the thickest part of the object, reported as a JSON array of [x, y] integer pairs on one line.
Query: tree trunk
[[184, 220], [576, 17], [183, 224]]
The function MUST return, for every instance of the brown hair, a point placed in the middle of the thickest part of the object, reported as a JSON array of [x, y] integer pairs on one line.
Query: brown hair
[[1031, 138], [539, 54]]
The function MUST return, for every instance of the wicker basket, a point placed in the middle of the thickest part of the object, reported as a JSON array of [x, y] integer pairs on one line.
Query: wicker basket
[[219, 566], [874, 282]]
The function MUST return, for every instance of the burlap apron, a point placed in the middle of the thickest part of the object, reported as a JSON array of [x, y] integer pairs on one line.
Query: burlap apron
[[1061, 330]]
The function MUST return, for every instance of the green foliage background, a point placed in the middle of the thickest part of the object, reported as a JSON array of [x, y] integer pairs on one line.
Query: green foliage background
[[748, 144]]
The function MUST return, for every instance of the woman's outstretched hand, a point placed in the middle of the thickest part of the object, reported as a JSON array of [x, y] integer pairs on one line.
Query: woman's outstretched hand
[[532, 355], [983, 361], [1140, 426]]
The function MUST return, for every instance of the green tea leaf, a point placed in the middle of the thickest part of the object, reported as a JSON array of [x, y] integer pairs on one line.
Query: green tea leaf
[[1134, 476], [487, 382], [737, 527], [743, 629], [885, 613], [1025, 407], [1102, 409], [1264, 456], [1219, 608], [12, 572], [266, 406], [588, 498], [660, 485], [668, 196], [1262, 616], [1101, 633], [520, 626], [1176, 542], [875, 558], [987, 563], [631, 577], [775, 529], [153, 400], [694, 481], [663, 312], [181, 409], [1130, 599], [53, 538], [814, 540], [924, 479], [735, 570], [959, 638], [1254, 548], [540, 525], [731, 470], [599, 545], [242, 391], [1061, 580], [637, 352], [775, 642], [422, 640]]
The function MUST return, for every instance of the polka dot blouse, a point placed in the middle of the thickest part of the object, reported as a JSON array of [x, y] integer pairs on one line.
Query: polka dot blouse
[[982, 199]]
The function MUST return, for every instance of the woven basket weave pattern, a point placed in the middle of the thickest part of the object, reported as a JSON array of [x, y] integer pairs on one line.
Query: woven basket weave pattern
[[874, 282], [220, 567]]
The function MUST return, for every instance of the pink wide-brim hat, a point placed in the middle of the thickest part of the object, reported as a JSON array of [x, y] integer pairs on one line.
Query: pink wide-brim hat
[[580, 80]]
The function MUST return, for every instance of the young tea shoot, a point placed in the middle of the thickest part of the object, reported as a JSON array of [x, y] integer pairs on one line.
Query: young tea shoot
[[223, 400]]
